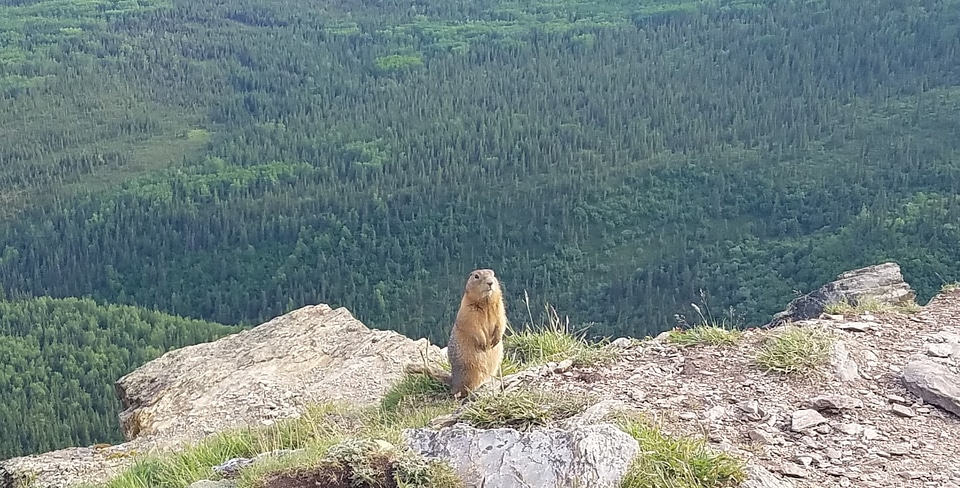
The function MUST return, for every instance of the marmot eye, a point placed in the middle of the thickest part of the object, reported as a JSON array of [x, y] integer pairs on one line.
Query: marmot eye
[[476, 276]]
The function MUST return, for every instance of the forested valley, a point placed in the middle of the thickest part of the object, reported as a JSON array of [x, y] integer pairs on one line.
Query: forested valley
[[230, 161], [59, 359]]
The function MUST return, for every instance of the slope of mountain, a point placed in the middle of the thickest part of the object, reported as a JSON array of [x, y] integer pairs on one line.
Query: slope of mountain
[[59, 359], [231, 161]]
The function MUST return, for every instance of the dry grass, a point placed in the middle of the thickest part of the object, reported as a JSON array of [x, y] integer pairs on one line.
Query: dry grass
[[329, 442], [795, 350], [869, 305], [552, 340], [676, 462]]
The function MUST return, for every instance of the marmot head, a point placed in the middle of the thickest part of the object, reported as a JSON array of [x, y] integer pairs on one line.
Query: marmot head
[[481, 285]]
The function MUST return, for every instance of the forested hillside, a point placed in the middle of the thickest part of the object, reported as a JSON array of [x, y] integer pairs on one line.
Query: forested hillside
[[232, 160], [59, 359]]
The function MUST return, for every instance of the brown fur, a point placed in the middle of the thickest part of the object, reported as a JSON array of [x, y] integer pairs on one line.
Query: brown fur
[[475, 349]]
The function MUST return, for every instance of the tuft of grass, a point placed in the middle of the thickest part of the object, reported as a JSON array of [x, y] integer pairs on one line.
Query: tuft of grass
[[910, 307], [256, 475], [348, 457], [552, 341], [709, 330], [414, 390], [676, 462], [948, 287], [869, 305], [795, 350], [521, 409], [705, 334], [863, 305]]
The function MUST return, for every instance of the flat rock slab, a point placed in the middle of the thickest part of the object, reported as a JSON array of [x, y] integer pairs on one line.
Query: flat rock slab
[[834, 402], [944, 350], [758, 477], [882, 282], [805, 419], [934, 383], [592, 455]]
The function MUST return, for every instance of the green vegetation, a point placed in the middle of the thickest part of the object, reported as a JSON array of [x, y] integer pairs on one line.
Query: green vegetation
[[677, 462], [414, 390], [333, 442], [551, 340], [230, 161], [357, 447], [795, 350], [521, 409], [419, 140], [704, 334], [59, 359], [723, 332], [869, 305], [398, 62]]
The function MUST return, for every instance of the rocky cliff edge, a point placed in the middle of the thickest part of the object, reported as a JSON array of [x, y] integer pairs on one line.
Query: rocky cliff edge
[[253, 377]]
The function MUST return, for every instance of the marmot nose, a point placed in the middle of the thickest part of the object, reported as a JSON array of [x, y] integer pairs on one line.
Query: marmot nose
[[490, 283]]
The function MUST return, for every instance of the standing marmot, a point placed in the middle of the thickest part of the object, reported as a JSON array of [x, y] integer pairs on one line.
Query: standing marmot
[[475, 350]]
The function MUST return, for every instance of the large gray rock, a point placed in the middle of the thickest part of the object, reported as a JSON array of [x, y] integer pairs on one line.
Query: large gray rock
[[591, 455], [882, 282], [934, 383], [263, 374]]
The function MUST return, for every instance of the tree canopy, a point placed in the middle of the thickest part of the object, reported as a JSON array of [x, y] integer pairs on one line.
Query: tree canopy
[[59, 359]]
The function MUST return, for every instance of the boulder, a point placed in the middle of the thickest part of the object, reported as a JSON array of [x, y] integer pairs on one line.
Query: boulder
[[882, 282], [264, 374], [844, 367], [934, 383], [589, 455]]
